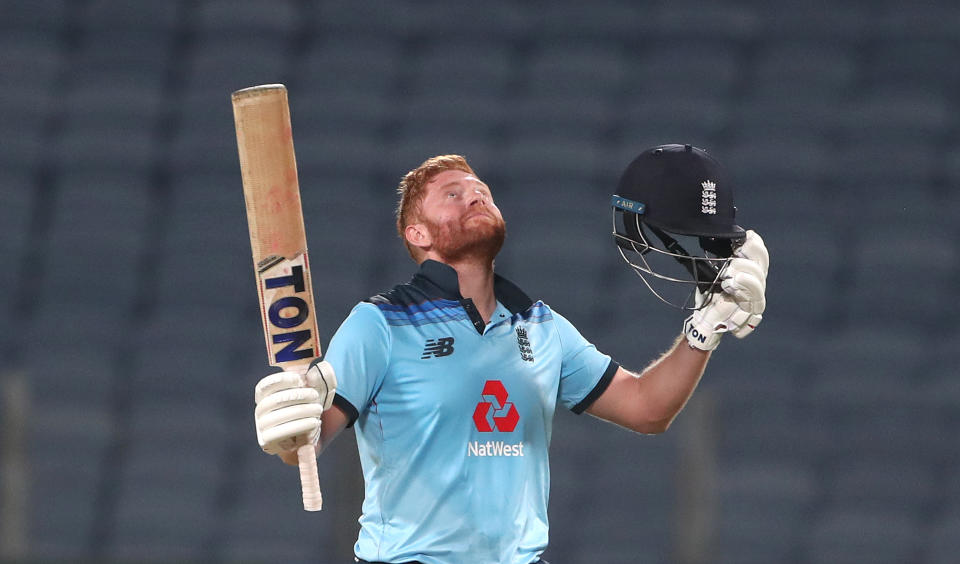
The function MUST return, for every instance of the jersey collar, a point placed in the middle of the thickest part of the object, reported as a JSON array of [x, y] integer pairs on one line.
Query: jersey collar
[[439, 280]]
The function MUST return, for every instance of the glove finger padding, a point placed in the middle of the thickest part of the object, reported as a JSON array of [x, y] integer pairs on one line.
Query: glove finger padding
[[285, 398], [288, 414], [287, 419], [754, 249], [275, 382], [747, 327], [289, 436], [704, 328], [745, 286]]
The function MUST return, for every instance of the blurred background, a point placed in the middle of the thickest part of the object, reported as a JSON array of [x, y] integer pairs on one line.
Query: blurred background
[[130, 340]]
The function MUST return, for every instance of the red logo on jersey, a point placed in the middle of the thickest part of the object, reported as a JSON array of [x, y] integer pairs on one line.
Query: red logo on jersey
[[495, 412]]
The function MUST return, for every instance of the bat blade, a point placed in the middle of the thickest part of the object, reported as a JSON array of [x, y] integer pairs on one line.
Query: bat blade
[[277, 237], [278, 241]]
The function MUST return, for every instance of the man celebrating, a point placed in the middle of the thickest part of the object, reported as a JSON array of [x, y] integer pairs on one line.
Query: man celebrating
[[452, 380]]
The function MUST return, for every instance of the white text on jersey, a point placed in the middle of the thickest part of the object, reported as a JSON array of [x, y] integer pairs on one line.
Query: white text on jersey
[[494, 448]]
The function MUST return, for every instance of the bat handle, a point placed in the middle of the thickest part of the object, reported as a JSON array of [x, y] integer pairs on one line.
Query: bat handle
[[309, 479]]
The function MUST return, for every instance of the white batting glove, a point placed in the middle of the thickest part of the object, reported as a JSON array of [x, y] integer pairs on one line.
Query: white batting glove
[[745, 276], [289, 405], [704, 328]]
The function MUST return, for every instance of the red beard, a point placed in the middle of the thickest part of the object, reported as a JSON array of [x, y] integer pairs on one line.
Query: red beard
[[455, 241]]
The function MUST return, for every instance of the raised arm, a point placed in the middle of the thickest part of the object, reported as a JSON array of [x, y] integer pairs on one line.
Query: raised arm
[[649, 401]]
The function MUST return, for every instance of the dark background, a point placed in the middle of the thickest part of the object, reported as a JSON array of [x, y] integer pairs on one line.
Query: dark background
[[129, 336]]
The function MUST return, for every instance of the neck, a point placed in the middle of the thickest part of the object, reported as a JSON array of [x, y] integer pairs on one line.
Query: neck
[[476, 282]]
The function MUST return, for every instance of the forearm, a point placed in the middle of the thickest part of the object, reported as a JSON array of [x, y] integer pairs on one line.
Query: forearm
[[665, 386], [648, 402]]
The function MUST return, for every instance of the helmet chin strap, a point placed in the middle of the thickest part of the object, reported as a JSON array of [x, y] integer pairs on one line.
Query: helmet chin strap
[[703, 272]]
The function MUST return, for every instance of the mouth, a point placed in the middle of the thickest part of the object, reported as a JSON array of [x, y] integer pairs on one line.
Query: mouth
[[478, 214]]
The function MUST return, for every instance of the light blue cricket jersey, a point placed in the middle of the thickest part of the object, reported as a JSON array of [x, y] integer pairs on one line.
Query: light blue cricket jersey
[[453, 417]]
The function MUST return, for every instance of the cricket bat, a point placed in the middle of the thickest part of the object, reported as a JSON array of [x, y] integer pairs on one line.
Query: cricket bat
[[279, 243]]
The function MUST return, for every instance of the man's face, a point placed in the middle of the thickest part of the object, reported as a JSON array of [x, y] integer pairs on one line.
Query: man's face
[[459, 213]]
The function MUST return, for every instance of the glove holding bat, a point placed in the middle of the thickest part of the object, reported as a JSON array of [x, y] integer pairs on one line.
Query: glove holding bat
[[289, 406]]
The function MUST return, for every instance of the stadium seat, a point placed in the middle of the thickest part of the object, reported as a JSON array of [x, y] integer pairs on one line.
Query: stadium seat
[[544, 157], [57, 321], [268, 493], [17, 203], [808, 70], [710, 68], [589, 67], [773, 374], [904, 117], [165, 371], [247, 18], [763, 508], [934, 21], [886, 263], [85, 201], [122, 54], [880, 483], [808, 20], [71, 373], [35, 57], [67, 456], [132, 101], [64, 522], [605, 20], [85, 149], [49, 15], [329, 66], [169, 523], [891, 358], [381, 17], [439, 69], [197, 278], [896, 63], [109, 15], [942, 538], [497, 21], [796, 432], [844, 534], [684, 19], [329, 151], [888, 432], [759, 160], [688, 117], [588, 115]]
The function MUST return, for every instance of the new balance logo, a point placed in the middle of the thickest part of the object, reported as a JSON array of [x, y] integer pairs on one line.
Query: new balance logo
[[523, 342], [437, 348]]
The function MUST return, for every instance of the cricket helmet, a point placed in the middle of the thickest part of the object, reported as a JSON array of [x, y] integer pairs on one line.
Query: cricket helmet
[[669, 199]]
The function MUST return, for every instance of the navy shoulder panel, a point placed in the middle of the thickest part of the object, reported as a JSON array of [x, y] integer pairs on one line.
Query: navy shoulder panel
[[405, 304], [399, 295]]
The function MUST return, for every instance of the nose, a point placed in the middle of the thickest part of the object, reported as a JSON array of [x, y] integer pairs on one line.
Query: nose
[[478, 197]]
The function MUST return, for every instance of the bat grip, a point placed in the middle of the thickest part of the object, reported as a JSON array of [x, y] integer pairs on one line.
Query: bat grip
[[309, 479]]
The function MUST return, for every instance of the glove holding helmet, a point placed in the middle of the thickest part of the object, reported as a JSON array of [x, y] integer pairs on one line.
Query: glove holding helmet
[[675, 197]]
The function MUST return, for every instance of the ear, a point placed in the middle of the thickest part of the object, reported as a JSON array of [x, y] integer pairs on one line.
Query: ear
[[418, 235]]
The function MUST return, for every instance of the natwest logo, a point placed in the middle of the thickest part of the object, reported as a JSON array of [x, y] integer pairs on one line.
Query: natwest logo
[[495, 412]]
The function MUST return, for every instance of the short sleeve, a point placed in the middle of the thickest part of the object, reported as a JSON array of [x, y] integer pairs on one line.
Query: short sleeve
[[359, 353], [585, 372]]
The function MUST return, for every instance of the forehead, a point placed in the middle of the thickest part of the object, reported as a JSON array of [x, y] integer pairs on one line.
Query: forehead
[[451, 177]]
